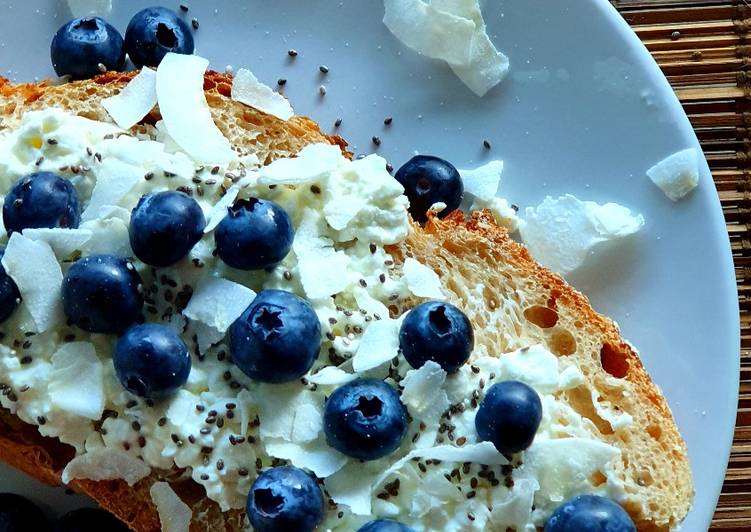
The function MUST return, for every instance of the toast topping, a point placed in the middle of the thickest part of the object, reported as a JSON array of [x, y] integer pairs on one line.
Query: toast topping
[[224, 426], [678, 174]]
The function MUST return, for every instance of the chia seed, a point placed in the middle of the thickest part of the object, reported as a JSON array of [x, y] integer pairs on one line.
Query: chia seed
[[486, 144], [194, 23], [292, 52], [337, 122], [183, 8], [41, 420], [376, 140], [281, 82]]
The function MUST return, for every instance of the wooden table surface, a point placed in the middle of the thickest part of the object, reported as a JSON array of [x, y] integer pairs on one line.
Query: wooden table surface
[[704, 49]]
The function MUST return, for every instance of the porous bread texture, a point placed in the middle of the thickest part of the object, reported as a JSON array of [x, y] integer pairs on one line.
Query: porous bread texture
[[512, 302]]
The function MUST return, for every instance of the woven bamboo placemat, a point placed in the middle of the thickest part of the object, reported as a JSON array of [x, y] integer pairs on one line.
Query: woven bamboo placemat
[[704, 49]]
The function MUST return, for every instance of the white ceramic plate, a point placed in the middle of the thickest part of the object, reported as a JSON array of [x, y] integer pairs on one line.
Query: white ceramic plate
[[585, 110]]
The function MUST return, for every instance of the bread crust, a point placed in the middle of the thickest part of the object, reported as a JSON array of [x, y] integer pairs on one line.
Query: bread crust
[[451, 247]]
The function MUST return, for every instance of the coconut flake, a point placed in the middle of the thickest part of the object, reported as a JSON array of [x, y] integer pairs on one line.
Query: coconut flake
[[483, 182], [487, 66], [219, 211], [174, 514], [351, 486], [426, 399], [316, 456], [421, 280], [248, 90], [64, 242], [114, 180], [678, 174], [452, 30], [429, 31], [379, 344], [77, 380], [368, 303], [503, 213], [35, 270], [106, 464], [312, 162], [323, 271], [479, 453], [217, 302], [560, 233], [134, 101], [331, 376], [97, 8], [186, 115], [289, 413], [515, 508], [108, 235]]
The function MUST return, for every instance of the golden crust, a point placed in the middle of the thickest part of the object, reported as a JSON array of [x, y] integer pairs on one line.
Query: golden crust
[[465, 253]]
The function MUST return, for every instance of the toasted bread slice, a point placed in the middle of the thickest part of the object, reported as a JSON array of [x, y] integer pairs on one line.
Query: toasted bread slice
[[520, 303]]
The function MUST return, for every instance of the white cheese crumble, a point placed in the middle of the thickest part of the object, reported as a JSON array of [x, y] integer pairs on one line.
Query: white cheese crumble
[[561, 233], [678, 174]]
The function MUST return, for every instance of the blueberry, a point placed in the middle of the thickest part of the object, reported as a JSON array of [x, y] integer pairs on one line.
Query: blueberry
[[151, 360], [19, 514], [164, 227], [509, 416], [81, 45], [9, 296], [102, 293], [155, 31], [427, 180], [255, 234], [89, 520], [590, 513], [42, 199], [284, 498], [277, 338], [385, 525], [365, 419], [439, 332]]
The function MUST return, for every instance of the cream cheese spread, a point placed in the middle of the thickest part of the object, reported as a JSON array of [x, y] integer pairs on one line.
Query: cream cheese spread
[[224, 428]]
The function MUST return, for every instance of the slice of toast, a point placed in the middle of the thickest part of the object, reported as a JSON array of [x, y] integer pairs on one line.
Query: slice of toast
[[520, 304]]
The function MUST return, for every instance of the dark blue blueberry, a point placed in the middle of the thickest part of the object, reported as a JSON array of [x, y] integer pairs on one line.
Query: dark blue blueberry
[[9, 296], [155, 31], [164, 227], [81, 45], [42, 199], [439, 332], [255, 234], [89, 520], [19, 514], [277, 338], [385, 525], [151, 360], [590, 513], [509, 416], [365, 419], [102, 293], [284, 498], [427, 180]]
